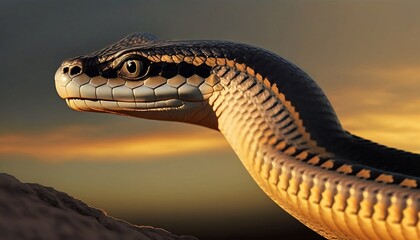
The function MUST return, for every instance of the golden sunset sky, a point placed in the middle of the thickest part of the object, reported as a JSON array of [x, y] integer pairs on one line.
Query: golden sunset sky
[[365, 55]]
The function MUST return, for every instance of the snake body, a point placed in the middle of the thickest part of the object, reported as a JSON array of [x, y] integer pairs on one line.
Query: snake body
[[275, 117]]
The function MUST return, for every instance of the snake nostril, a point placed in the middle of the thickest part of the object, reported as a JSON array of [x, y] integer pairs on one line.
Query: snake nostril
[[65, 69], [75, 70]]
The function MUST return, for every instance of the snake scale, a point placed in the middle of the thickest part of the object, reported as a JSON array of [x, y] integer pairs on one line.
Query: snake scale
[[275, 117]]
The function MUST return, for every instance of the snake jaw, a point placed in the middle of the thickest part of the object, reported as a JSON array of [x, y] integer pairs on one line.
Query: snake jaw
[[81, 104]]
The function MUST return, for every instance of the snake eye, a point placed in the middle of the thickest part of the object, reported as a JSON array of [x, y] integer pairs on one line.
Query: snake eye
[[131, 66], [133, 69]]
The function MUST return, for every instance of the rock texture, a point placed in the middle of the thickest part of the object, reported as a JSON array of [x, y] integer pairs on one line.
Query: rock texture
[[32, 211]]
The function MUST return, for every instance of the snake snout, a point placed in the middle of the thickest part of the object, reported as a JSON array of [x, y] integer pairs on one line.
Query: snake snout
[[68, 74]]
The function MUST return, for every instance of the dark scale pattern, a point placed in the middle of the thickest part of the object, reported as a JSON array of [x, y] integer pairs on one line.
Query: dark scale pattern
[[155, 70], [315, 111], [203, 70], [186, 70], [166, 70], [91, 70], [295, 138], [322, 161], [170, 70], [109, 73]]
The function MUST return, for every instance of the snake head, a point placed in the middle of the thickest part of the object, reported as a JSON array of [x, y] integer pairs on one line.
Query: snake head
[[132, 78]]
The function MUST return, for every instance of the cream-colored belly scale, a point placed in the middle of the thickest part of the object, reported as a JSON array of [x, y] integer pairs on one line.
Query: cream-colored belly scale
[[259, 125]]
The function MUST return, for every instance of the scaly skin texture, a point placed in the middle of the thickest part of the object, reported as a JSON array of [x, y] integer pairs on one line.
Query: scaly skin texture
[[276, 119], [337, 206]]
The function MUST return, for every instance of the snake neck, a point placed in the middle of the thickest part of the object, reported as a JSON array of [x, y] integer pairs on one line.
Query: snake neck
[[257, 120]]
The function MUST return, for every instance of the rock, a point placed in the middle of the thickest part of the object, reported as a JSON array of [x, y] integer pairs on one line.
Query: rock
[[32, 211]]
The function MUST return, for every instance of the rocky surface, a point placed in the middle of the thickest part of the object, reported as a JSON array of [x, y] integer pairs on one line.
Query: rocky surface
[[32, 211]]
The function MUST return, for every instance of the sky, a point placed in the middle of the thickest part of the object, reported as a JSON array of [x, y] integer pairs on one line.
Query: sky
[[364, 54]]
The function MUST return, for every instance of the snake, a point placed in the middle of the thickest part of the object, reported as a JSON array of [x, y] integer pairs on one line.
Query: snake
[[276, 118]]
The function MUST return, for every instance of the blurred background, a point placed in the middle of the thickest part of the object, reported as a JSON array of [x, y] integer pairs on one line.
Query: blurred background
[[186, 179]]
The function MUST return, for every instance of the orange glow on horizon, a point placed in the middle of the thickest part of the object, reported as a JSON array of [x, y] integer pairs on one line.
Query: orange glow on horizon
[[73, 143], [67, 144], [381, 104], [409, 74], [391, 130]]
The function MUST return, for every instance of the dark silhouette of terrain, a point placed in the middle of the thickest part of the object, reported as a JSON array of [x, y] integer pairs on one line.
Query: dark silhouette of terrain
[[32, 211]]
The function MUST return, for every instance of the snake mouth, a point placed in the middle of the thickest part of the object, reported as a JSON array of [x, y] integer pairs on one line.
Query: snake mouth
[[98, 105]]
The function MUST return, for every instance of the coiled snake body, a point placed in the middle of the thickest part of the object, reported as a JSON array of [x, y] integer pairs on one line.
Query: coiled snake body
[[275, 117]]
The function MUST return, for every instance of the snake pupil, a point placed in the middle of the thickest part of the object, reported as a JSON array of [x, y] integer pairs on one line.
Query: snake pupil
[[131, 66]]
